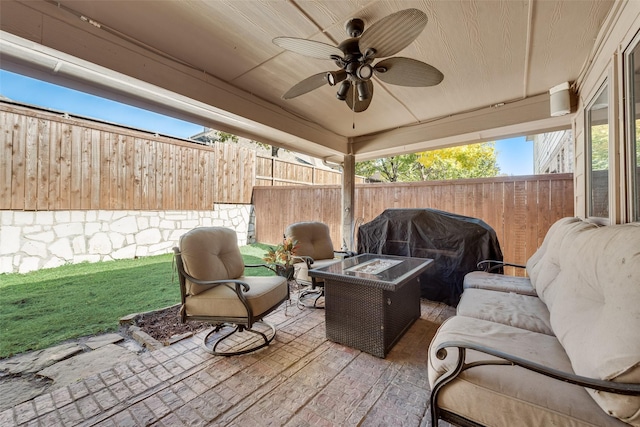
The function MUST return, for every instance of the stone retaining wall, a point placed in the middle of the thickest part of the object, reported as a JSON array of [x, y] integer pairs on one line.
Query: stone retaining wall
[[34, 240]]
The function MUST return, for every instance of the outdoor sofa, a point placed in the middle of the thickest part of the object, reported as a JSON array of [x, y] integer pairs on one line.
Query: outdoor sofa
[[560, 347]]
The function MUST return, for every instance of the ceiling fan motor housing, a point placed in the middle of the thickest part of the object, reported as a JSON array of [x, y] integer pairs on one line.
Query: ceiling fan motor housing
[[354, 27]]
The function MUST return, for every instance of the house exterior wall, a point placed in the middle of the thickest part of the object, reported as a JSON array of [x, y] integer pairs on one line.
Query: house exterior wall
[[618, 32], [553, 152]]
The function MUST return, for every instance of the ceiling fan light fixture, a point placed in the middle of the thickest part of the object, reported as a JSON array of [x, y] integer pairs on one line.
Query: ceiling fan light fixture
[[335, 77], [363, 91], [343, 90], [365, 72]]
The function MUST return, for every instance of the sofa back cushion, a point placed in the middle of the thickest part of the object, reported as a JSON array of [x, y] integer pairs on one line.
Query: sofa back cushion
[[544, 265], [595, 308]]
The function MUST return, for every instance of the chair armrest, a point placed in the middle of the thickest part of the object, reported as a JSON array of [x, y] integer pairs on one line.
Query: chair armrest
[[498, 264], [307, 259], [346, 254], [631, 389], [258, 266], [239, 284]]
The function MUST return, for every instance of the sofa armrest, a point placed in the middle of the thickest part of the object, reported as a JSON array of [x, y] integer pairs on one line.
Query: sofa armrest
[[441, 351], [490, 265]]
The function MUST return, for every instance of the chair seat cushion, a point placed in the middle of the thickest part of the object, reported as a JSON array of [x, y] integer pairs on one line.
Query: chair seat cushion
[[498, 282], [498, 395], [520, 311], [264, 294], [302, 273]]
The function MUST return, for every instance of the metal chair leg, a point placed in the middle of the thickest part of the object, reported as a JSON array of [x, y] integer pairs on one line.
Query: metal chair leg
[[212, 348]]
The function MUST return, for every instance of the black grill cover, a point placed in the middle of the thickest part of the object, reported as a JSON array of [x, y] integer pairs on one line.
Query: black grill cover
[[455, 242]]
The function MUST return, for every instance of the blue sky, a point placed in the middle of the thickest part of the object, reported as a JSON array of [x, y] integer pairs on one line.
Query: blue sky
[[515, 155]]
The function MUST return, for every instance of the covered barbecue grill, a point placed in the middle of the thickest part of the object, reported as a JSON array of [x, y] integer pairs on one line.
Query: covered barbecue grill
[[455, 242]]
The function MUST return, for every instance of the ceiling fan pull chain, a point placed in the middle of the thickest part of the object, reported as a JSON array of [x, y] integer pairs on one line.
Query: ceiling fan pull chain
[[353, 111]]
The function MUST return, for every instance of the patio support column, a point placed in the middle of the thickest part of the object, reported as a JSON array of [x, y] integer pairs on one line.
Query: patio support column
[[348, 196]]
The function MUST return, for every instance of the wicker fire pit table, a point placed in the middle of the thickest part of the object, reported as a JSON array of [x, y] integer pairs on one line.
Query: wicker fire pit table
[[371, 300]]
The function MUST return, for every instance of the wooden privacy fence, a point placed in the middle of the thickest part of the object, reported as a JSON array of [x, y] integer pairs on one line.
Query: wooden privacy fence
[[271, 171], [54, 162], [520, 209]]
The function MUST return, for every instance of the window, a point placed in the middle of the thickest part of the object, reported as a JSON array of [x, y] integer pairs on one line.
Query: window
[[633, 120], [598, 154]]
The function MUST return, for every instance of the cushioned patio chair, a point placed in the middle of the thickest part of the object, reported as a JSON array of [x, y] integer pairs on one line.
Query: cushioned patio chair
[[213, 289], [314, 250]]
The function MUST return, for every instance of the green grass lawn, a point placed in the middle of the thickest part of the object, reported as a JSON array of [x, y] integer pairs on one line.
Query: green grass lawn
[[46, 307]]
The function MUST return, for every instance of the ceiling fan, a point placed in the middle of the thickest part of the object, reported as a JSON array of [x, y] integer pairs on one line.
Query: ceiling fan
[[355, 56]]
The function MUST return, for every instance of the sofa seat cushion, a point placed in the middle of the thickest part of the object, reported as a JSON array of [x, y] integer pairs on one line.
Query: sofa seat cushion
[[519, 311], [509, 395], [264, 293], [498, 282], [302, 273]]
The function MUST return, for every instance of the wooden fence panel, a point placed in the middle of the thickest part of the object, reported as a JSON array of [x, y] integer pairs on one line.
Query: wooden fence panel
[[59, 163], [235, 173], [52, 162], [519, 209], [6, 157], [274, 171]]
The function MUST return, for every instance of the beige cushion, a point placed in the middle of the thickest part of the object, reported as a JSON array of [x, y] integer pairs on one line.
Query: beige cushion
[[498, 282], [520, 311], [509, 395], [302, 273], [595, 309], [544, 265], [314, 239], [210, 253], [221, 301]]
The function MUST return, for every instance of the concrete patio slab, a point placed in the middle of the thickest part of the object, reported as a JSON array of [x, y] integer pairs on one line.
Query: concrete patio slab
[[302, 379]]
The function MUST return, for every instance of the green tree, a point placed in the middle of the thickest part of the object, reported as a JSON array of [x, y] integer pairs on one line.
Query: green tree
[[468, 161], [402, 168], [226, 137], [600, 147]]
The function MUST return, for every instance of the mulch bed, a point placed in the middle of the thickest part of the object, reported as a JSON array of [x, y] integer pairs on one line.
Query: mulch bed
[[164, 324]]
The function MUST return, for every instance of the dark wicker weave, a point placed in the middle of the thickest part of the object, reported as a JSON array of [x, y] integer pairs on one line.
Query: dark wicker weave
[[371, 312]]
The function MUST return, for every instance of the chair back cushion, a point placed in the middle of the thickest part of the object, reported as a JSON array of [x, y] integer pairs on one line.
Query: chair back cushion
[[314, 239], [210, 253]]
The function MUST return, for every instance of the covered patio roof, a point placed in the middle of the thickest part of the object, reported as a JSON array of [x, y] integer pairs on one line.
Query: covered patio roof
[[214, 63]]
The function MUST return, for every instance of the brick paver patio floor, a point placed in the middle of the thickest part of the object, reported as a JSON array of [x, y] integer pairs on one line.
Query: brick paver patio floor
[[301, 379]]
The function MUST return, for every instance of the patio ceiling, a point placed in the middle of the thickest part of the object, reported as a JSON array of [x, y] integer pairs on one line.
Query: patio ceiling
[[499, 59]]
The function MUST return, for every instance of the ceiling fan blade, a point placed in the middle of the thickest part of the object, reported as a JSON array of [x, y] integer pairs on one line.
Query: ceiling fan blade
[[306, 85], [310, 48], [393, 33], [407, 72], [352, 98]]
